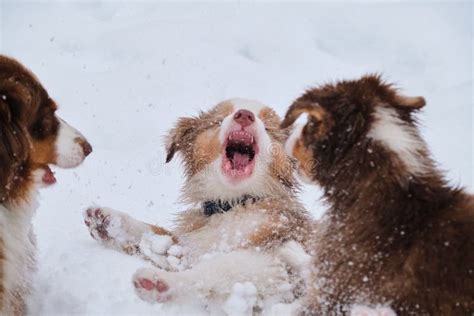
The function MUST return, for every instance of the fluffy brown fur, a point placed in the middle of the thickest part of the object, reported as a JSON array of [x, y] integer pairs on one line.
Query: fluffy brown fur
[[196, 139], [29, 131], [25, 108], [396, 232], [279, 215]]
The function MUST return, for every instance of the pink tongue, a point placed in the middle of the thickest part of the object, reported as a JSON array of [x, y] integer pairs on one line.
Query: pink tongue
[[240, 161], [48, 177]]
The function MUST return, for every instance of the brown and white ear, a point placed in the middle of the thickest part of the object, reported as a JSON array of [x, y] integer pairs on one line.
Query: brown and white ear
[[319, 121], [300, 107], [414, 103], [178, 136]]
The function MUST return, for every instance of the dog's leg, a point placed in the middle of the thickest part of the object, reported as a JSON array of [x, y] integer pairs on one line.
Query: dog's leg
[[299, 261], [245, 274], [117, 230]]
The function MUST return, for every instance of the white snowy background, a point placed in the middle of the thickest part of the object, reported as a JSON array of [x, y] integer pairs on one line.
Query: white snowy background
[[123, 72]]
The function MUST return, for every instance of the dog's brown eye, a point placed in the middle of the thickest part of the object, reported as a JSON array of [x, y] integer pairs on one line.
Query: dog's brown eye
[[45, 126], [40, 129], [216, 123]]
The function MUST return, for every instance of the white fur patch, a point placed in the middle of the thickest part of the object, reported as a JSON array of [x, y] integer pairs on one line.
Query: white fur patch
[[289, 147], [69, 152], [294, 136], [361, 310], [401, 138], [293, 254], [37, 176], [19, 251]]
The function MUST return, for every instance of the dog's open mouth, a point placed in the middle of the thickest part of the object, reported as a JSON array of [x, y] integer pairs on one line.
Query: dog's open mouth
[[239, 155], [48, 176]]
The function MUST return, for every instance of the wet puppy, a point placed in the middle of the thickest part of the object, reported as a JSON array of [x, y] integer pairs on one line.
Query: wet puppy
[[244, 225], [396, 233], [32, 137]]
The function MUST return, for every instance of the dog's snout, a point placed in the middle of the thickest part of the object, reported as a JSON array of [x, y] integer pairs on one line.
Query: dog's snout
[[244, 117], [86, 147]]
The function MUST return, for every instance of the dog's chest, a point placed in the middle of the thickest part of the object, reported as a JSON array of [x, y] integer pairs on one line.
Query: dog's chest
[[17, 249], [223, 232]]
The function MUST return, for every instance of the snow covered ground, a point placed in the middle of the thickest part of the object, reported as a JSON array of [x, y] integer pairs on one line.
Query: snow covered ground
[[123, 72]]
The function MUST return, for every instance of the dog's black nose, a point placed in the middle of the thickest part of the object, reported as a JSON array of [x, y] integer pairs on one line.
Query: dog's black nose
[[244, 117], [86, 147]]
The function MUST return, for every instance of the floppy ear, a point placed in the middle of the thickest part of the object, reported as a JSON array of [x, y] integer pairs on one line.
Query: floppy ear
[[178, 137], [14, 146], [319, 120], [414, 103]]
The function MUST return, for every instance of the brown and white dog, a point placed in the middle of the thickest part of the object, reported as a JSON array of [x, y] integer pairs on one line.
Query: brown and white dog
[[244, 226], [396, 233], [32, 137]]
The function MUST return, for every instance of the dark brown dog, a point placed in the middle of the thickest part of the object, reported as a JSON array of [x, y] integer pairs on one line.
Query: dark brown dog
[[396, 233]]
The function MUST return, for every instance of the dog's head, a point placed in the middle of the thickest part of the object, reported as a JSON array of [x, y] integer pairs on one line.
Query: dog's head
[[234, 149], [360, 124], [32, 136]]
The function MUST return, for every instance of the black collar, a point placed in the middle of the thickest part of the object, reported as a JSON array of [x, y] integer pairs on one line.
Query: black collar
[[212, 207]]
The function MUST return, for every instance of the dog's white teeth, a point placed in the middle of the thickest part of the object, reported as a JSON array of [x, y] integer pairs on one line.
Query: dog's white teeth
[[241, 135]]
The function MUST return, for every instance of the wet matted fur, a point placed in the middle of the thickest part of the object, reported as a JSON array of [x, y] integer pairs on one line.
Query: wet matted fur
[[396, 232]]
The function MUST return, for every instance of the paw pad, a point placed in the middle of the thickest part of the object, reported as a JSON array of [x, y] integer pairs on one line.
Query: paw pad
[[97, 221], [151, 288]]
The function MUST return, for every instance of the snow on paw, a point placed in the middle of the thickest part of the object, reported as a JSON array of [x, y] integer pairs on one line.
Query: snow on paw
[[162, 251], [242, 299], [176, 258], [150, 287], [155, 247], [360, 310]]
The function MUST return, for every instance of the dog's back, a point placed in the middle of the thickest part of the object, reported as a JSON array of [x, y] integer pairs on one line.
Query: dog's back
[[426, 268], [440, 264], [432, 271], [396, 232]]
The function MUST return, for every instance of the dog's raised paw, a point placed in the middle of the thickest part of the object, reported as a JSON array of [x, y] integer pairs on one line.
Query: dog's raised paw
[[150, 287], [97, 220]]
